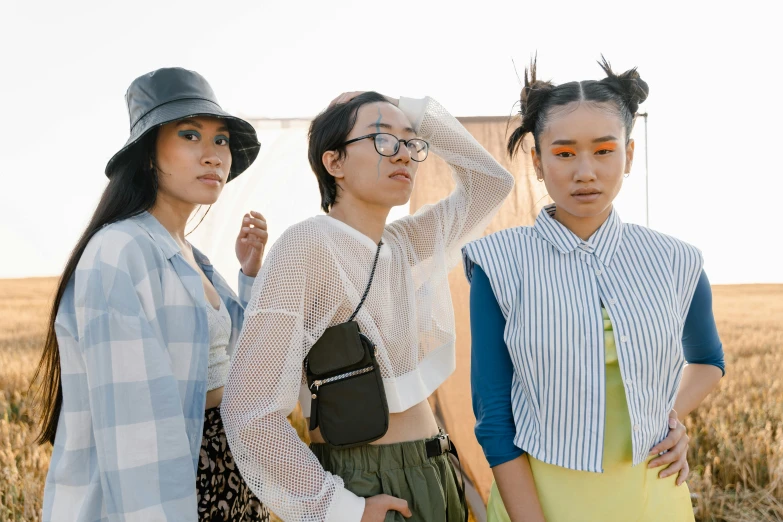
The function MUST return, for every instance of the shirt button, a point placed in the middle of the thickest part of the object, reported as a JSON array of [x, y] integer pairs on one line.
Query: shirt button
[[599, 272], [636, 427], [629, 382], [612, 301], [623, 339]]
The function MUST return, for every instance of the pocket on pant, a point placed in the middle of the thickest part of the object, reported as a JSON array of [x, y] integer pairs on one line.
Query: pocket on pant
[[362, 483], [455, 509], [395, 516], [422, 487]]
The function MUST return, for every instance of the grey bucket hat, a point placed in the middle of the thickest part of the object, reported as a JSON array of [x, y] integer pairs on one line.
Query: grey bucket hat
[[171, 94]]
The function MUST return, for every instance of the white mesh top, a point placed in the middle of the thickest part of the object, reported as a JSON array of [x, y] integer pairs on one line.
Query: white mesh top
[[313, 278], [219, 323]]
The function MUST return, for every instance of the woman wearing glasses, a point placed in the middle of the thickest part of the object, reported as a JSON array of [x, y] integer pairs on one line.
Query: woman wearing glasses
[[364, 149]]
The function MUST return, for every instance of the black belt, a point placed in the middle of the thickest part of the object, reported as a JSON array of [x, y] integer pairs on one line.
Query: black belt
[[438, 446]]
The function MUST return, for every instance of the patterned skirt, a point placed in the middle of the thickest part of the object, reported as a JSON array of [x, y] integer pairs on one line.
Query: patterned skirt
[[222, 493]]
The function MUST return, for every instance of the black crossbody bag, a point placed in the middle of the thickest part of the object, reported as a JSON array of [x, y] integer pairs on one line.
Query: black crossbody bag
[[348, 400]]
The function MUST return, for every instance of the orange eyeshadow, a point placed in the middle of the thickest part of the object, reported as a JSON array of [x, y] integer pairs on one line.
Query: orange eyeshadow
[[607, 146], [561, 150]]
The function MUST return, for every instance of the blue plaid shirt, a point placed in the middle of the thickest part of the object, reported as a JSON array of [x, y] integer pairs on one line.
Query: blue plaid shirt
[[134, 348]]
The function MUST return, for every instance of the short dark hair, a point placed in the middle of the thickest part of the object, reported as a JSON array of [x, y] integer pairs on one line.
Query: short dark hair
[[328, 131], [625, 91]]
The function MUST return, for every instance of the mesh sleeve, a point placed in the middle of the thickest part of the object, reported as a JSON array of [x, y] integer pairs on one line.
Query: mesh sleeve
[[482, 185], [287, 310]]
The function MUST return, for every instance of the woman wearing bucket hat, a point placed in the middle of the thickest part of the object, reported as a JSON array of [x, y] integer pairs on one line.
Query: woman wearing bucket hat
[[143, 327]]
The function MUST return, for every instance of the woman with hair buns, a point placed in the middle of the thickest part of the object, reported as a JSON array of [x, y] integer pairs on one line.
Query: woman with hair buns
[[582, 325]]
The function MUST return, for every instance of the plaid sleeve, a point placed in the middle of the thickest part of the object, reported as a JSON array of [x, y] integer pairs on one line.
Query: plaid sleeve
[[245, 288], [144, 456]]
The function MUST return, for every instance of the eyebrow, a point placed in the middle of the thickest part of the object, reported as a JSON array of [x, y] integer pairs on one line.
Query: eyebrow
[[602, 139], [386, 126], [189, 121]]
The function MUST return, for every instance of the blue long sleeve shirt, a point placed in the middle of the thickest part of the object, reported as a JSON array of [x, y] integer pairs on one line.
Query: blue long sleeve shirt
[[492, 370]]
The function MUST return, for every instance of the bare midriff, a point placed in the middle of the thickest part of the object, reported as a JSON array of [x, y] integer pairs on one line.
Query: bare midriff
[[415, 423], [214, 398]]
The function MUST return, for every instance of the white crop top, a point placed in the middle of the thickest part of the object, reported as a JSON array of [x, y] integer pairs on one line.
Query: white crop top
[[219, 334]]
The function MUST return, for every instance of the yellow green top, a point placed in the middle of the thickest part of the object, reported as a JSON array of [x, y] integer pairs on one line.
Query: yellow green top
[[622, 493]]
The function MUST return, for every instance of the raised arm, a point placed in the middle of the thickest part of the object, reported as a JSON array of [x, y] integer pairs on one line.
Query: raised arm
[[285, 315], [145, 459], [482, 185], [249, 248]]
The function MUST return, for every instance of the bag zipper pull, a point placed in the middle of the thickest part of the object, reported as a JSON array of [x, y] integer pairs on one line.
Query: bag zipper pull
[[314, 405]]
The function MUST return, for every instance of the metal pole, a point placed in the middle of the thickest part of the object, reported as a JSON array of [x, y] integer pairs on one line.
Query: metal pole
[[646, 174]]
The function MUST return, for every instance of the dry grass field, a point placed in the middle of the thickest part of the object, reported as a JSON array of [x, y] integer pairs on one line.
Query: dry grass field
[[737, 434]]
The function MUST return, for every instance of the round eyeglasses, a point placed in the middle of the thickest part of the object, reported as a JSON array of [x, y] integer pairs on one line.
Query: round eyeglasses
[[388, 145]]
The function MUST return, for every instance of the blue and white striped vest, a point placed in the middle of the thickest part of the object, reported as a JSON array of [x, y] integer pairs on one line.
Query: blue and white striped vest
[[550, 284]]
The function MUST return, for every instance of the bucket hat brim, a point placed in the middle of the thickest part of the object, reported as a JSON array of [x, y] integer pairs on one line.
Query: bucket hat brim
[[243, 140]]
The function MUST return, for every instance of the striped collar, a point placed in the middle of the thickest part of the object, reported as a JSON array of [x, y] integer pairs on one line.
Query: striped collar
[[602, 243]]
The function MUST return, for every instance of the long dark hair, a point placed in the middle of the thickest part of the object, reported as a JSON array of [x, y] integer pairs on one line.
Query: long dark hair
[[622, 91], [132, 189]]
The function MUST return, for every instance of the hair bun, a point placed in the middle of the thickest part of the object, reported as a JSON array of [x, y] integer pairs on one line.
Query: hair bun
[[629, 85], [531, 100]]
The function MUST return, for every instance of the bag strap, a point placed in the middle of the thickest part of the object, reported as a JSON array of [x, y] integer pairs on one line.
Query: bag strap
[[361, 302], [369, 283], [436, 447], [453, 450]]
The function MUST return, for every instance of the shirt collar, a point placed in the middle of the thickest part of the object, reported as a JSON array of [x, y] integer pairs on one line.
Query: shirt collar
[[200, 257], [158, 233], [603, 243], [163, 238]]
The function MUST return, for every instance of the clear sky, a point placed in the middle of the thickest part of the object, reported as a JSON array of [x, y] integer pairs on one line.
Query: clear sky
[[714, 105]]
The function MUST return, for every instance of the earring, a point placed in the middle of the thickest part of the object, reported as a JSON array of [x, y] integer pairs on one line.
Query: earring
[[626, 175]]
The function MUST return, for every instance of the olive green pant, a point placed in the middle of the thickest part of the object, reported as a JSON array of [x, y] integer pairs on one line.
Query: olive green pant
[[401, 470]]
